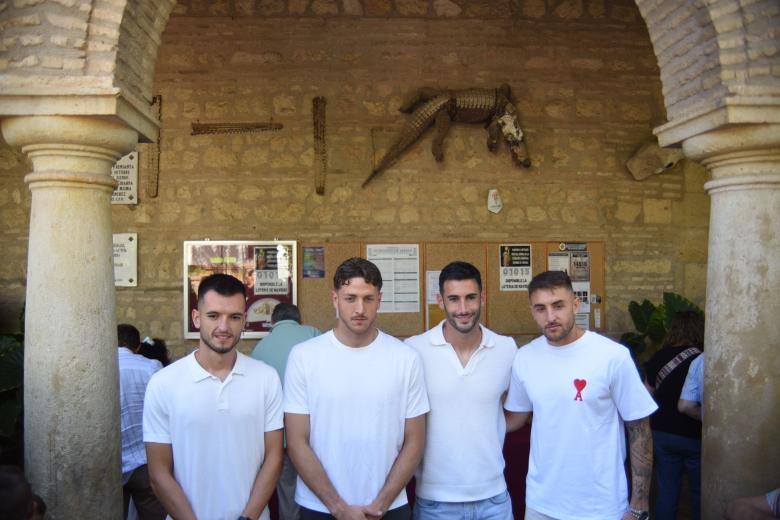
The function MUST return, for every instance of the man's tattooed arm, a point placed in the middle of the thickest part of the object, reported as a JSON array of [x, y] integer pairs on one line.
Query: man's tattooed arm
[[640, 442]]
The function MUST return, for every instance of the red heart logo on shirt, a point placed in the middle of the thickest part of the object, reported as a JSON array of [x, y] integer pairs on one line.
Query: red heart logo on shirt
[[579, 384]]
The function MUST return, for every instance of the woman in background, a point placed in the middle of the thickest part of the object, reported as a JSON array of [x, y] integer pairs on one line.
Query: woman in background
[[155, 348], [676, 437]]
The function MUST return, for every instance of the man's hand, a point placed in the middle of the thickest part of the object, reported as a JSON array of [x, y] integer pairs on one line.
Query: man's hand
[[350, 513]]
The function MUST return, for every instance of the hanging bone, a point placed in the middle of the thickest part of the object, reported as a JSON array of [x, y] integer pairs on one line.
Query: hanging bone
[[441, 107]]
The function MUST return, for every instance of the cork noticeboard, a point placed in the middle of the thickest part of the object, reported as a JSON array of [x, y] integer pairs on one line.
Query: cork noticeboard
[[505, 312]]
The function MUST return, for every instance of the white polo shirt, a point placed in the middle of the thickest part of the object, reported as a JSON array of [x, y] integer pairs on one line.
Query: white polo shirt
[[463, 459], [215, 429]]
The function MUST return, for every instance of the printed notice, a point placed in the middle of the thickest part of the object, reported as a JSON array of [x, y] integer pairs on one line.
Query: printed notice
[[400, 268], [126, 259], [125, 172], [515, 271], [558, 262], [582, 292], [582, 320], [580, 266], [314, 262]]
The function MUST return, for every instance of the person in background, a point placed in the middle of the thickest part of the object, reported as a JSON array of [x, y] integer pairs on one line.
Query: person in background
[[274, 350], [213, 419], [692, 393], [676, 437], [155, 348], [761, 507], [17, 501], [467, 369], [135, 371]]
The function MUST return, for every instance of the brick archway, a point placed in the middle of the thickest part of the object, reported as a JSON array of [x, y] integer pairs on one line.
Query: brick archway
[[718, 63]]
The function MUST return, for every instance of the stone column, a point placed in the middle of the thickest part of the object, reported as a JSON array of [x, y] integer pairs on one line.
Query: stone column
[[71, 404], [742, 343]]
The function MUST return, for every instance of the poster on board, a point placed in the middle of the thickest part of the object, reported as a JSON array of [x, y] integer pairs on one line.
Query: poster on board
[[268, 270], [515, 274], [400, 268]]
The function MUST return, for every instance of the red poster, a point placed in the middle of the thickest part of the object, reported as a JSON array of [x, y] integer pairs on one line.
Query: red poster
[[268, 270]]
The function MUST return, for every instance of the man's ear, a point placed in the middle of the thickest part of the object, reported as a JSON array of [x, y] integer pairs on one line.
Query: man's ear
[[196, 318]]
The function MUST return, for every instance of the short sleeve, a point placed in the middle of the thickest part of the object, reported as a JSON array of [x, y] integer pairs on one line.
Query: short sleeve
[[274, 417], [156, 424], [295, 384], [692, 389], [417, 401], [517, 399], [629, 394]]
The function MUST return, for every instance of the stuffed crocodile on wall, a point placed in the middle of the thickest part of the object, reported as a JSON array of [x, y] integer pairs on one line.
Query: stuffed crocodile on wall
[[430, 106]]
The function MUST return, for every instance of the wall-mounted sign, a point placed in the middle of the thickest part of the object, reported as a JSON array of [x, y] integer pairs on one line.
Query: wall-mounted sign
[[125, 259], [267, 268], [400, 268], [125, 172], [313, 262], [515, 271]]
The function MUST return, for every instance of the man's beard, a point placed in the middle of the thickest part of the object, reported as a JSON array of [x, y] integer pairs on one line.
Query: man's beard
[[453, 321], [217, 349]]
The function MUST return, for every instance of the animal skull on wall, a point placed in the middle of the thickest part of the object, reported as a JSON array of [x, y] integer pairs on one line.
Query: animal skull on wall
[[440, 108]]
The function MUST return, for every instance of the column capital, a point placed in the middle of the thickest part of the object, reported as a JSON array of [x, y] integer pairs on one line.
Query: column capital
[[70, 149], [745, 156]]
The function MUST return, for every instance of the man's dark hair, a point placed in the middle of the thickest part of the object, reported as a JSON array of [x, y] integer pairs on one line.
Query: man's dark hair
[[222, 284], [16, 498], [687, 330], [356, 267], [549, 280], [459, 270], [285, 311], [128, 336], [155, 348]]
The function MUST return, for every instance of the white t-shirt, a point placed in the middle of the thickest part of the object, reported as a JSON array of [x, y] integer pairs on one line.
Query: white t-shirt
[[463, 459], [580, 395], [215, 429], [358, 400]]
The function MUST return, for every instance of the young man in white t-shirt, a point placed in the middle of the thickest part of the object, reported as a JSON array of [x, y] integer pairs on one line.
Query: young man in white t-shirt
[[355, 407], [584, 392], [213, 419], [467, 370]]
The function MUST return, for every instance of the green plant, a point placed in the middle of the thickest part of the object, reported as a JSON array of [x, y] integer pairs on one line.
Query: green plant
[[652, 323], [11, 362]]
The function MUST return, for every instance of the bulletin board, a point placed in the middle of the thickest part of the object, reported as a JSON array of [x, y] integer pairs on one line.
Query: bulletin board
[[506, 312]]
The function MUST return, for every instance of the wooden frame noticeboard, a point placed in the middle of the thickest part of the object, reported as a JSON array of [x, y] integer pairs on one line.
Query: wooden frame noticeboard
[[506, 311]]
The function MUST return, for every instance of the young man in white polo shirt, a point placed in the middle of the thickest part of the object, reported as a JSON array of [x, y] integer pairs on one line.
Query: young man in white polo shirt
[[585, 392], [355, 407], [467, 370], [213, 419]]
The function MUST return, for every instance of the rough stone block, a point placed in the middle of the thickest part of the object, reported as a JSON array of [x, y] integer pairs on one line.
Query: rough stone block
[[657, 211], [627, 212]]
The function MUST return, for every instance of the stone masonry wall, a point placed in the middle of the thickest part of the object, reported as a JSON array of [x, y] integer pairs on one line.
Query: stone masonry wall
[[586, 85]]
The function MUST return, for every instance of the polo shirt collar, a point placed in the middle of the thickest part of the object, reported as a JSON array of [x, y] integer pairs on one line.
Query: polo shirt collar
[[437, 336], [198, 373]]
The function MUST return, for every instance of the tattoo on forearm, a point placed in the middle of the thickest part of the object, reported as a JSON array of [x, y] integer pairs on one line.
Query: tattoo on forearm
[[641, 448]]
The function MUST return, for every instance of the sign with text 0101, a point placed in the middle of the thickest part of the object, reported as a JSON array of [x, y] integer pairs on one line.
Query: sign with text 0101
[[125, 172], [515, 270]]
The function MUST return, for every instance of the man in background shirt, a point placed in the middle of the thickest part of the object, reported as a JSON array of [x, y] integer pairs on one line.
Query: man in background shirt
[[134, 374], [274, 349]]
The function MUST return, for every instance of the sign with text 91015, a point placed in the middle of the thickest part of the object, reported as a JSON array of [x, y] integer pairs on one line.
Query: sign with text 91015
[[125, 173], [515, 267]]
